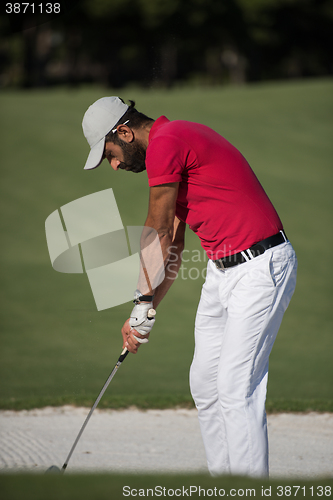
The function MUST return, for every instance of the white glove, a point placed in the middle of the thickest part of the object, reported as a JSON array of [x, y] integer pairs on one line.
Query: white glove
[[142, 319]]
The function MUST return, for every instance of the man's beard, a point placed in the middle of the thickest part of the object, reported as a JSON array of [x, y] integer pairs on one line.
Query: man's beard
[[134, 157]]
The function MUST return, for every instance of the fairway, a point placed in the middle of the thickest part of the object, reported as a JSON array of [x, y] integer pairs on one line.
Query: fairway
[[56, 348]]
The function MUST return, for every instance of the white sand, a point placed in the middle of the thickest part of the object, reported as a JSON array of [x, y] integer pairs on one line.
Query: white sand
[[301, 445]]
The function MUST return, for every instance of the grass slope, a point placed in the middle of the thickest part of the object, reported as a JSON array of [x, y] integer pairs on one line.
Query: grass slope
[[56, 348]]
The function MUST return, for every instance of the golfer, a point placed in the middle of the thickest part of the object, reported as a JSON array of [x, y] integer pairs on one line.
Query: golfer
[[197, 178]]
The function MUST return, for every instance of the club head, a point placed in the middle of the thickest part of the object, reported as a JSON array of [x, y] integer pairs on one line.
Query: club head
[[53, 470]]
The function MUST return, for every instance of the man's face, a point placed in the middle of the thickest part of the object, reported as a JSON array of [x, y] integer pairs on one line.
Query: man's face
[[127, 156]]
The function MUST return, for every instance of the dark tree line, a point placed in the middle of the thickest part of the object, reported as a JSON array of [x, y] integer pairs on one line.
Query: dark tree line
[[160, 42]]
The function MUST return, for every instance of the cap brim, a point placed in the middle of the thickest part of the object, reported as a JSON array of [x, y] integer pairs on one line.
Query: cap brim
[[95, 156]]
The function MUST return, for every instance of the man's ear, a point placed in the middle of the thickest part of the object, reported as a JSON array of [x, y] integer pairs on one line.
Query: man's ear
[[125, 133]]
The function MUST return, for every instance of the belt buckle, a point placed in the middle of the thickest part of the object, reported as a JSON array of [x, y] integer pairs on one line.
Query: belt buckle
[[219, 264]]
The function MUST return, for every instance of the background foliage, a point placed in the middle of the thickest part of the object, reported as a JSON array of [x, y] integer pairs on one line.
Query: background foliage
[[161, 42]]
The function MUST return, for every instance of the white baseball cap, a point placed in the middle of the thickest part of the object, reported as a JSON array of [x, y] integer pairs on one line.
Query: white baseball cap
[[97, 122]]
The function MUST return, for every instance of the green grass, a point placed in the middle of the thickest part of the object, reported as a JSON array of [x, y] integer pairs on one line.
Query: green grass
[[56, 348], [105, 487]]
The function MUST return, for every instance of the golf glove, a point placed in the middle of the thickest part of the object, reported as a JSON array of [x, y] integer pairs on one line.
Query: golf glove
[[139, 318]]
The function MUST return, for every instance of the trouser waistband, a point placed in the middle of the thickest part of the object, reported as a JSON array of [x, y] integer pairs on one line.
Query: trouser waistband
[[252, 252]]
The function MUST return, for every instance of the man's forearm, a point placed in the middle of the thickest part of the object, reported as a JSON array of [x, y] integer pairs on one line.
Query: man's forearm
[[171, 272], [155, 256]]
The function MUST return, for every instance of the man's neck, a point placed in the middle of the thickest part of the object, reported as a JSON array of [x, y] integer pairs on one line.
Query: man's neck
[[142, 134]]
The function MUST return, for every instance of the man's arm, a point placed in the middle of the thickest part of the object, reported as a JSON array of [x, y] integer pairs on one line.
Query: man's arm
[[174, 261], [161, 217], [158, 252]]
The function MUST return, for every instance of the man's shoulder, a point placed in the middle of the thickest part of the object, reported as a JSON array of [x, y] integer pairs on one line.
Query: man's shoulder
[[174, 129]]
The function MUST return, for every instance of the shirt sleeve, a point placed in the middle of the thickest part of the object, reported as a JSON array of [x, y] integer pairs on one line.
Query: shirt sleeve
[[166, 160]]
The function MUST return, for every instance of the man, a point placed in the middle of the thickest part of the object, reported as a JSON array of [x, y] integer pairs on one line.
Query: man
[[198, 178]]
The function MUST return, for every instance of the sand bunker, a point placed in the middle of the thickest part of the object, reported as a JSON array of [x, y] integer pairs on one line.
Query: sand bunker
[[301, 445]]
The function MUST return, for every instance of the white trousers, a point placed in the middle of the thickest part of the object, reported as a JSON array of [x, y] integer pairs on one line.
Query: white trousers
[[238, 317]]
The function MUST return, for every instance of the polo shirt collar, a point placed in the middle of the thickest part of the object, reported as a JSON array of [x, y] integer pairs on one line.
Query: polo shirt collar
[[162, 120]]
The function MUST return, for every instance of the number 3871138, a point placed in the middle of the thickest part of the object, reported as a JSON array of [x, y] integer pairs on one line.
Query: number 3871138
[[32, 8]]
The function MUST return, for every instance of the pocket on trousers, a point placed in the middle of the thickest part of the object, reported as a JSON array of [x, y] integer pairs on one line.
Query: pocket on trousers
[[258, 273], [279, 265]]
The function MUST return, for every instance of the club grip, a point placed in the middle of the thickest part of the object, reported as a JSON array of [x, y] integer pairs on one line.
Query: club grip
[[123, 355], [151, 314]]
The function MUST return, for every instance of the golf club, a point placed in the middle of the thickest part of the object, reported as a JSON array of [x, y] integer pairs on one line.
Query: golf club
[[54, 469]]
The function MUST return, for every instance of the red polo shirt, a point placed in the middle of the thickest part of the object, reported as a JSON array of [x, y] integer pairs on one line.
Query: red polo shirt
[[219, 197]]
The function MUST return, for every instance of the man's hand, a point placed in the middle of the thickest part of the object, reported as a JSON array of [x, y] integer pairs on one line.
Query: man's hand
[[137, 328], [142, 317], [129, 341]]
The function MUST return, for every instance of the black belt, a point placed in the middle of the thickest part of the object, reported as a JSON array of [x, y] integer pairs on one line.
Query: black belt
[[252, 252]]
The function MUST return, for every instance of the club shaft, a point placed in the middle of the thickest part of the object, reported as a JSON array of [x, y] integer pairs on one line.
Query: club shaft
[[105, 386]]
